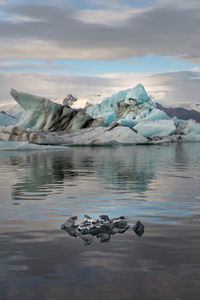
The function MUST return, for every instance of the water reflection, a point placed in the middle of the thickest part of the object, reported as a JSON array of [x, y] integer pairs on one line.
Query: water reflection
[[38, 173], [108, 180], [103, 228]]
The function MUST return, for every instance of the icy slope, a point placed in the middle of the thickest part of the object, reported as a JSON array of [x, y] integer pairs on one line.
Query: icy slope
[[43, 114]]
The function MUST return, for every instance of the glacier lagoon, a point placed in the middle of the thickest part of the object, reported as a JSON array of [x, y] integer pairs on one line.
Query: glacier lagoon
[[156, 184]]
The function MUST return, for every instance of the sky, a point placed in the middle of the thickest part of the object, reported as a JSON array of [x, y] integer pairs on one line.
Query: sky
[[55, 47]]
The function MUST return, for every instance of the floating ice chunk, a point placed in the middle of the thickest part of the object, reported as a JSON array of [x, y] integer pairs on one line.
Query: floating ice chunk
[[138, 228], [191, 137], [103, 228], [155, 128], [191, 131], [69, 222], [120, 222], [87, 222], [192, 127]]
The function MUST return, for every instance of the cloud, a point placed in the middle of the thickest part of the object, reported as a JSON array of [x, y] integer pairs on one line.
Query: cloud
[[107, 17], [103, 16], [46, 51], [111, 4], [168, 87], [182, 3], [64, 34], [52, 85], [196, 69], [40, 67]]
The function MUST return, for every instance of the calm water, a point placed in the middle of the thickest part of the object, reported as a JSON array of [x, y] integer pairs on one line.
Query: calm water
[[158, 185]]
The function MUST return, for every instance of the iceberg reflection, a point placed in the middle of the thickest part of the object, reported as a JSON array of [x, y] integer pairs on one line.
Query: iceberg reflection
[[103, 228]]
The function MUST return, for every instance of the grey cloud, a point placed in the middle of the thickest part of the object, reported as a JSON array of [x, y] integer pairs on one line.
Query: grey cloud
[[15, 66], [160, 31], [172, 87], [176, 87], [114, 4], [52, 85], [183, 3], [167, 87]]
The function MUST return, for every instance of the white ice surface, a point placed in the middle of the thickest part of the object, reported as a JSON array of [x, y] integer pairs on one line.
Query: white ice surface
[[155, 128]]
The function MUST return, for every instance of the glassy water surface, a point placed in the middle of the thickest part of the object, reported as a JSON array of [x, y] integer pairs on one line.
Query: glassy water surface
[[158, 185]]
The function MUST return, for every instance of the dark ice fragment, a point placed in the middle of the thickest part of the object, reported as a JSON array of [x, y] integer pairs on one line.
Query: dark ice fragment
[[138, 228]]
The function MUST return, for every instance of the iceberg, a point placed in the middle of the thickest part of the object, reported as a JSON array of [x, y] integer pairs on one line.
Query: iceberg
[[127, 106], [128, 117], [190, 131], [192, 127], [43, 114], [134, 108]]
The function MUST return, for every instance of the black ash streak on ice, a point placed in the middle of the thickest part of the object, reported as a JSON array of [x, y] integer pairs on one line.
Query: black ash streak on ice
[[103, 228]]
